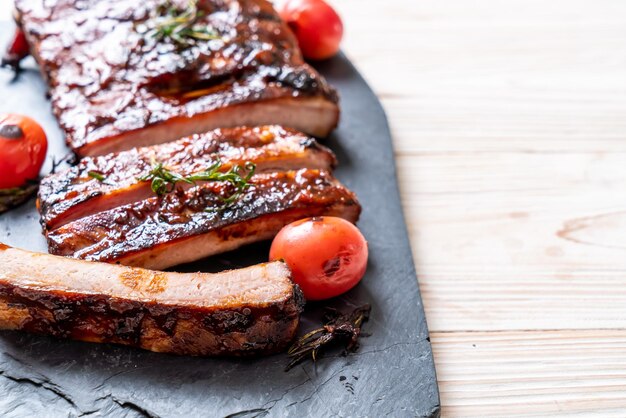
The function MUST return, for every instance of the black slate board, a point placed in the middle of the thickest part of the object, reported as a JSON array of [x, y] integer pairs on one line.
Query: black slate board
[[392, 373]]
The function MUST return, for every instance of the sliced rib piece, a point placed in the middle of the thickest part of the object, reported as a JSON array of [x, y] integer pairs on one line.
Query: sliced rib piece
[[187, 225], [98, 184], [250, 311], [114, 87]]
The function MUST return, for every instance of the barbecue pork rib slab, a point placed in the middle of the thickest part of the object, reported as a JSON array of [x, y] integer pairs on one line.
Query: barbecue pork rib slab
[[193, 223], [101, 183], [251, 311], [116, 84]]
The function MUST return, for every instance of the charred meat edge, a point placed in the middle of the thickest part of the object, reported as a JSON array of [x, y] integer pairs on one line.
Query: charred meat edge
[[76, 192], [250, 311], [183, 226], [310, 106]]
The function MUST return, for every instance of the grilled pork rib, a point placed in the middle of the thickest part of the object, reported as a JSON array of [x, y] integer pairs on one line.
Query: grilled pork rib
[[115, 86], [250, 311], [185, 225], [102, 183]]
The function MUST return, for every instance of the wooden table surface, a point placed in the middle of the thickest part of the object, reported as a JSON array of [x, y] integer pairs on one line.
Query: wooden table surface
[[509, 120]]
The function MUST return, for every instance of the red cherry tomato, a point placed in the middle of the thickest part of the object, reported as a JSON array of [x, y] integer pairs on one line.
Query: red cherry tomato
[[316, 25], [23, 147], [327, 255]]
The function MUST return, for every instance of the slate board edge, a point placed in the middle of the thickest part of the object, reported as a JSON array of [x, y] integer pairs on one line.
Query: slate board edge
[[436, 410]]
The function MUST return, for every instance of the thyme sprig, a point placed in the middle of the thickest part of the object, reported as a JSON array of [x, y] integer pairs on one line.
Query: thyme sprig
[[181, 26], [338, 327], [96, 175], [164, 180]]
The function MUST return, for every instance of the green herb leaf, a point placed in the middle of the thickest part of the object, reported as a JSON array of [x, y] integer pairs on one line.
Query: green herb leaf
[[163, 180], [96, 175], [179, 25]]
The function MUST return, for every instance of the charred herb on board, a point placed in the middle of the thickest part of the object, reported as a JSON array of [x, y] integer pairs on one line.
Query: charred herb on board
[[163, 180], [70, 159], [14, 197], [11, 198], [338, 328], [181, 25]]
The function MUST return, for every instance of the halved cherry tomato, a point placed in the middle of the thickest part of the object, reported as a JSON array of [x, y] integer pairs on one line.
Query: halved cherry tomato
[[23, 146], [316, 24], [327, 255]]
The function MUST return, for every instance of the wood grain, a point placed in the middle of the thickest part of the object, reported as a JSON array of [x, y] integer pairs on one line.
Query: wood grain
[[508, 120], [507, 374]]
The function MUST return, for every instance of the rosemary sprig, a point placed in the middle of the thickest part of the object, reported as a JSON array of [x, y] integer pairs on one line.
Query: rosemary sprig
[[163, 180], [338, 328], [181, 26]]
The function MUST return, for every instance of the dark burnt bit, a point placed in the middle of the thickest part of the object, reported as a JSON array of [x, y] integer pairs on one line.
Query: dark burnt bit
[[224, 322], [129, 327], [68, 315], [106, 319], [298, 299], [339, 328], [70, 159], [166, 322], [312, 144]]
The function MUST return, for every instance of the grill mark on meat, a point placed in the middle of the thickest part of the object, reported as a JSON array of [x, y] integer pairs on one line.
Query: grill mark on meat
[[72, 194], [273, 200], [104, 96], [250, 311]]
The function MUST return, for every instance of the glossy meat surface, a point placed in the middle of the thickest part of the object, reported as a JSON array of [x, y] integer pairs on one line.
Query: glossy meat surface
[[250, 311], [101, 183], [189, 224], [114, 87]]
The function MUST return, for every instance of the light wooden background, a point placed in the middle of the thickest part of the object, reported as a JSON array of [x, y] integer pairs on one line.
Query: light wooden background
[[509, 119]]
